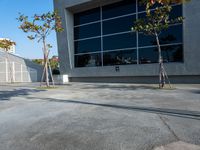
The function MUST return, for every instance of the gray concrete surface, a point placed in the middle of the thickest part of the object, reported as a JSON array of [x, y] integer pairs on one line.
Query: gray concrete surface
[[178, 146], [86, 116]]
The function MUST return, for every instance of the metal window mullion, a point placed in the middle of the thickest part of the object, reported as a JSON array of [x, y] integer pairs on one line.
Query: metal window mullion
[[101, 21], [171, 44], [88, 53], [84, 24], [117, 33], [121, 49], [137, 34], [101, 18], [124, 49], [153, 46], [122, 16], [89, 38], [127, 49], [101, 36]]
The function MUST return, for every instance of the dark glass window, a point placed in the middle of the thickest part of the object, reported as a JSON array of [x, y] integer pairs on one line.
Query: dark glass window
[[148, 55], [141, 7], [120, 41], [90, 45], [176, 11], [87, 16], [118, 25], [88, 60], [173, 53], [87, 31], [146, 40], [142, 15], [171, 35], [117, 9], [124, 57]]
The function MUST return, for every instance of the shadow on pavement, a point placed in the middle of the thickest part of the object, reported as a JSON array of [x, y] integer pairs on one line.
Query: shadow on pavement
[[6, 95], [170, 112], [195, 91], [122, 87]]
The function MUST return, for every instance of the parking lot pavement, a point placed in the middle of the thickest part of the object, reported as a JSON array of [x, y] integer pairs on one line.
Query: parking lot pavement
[[86, 116]]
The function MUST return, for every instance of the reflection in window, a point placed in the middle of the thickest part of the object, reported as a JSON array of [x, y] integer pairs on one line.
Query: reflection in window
[[88, 60], [118, 9], [87, 31], [173, 53], [124, 57], [173, 34], [90, 45], [118, 25], [148, 55], [87, 16], [121, 41]]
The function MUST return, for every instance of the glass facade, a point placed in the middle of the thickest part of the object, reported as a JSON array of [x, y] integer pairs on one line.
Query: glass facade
[[122, 57], [103, 37], [88, 60]]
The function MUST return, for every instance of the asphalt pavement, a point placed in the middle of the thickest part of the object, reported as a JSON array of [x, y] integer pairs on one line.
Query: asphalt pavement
[[94, 116]]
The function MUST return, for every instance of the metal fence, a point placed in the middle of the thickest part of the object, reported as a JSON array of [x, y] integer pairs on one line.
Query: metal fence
[[15, 72]]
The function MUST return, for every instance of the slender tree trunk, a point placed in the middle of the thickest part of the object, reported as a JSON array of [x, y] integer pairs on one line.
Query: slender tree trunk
[[51, 74], [161, 66], [46, 62]]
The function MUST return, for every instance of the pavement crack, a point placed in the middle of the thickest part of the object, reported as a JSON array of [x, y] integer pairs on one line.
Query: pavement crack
[[169, 128]]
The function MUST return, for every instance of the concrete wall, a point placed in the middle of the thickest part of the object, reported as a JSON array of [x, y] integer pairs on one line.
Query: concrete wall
[[18, 68], [190, 67]]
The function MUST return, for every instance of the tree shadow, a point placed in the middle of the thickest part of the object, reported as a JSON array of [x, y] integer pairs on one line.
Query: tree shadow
[[195, 91], [7, 95], [164, 111], [119, 87]]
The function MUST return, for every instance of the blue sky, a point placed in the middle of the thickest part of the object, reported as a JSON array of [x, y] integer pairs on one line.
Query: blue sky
[[9, 25]]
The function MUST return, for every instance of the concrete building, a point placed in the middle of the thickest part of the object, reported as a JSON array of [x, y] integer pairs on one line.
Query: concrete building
[[17, 69], [97, 43], [12, 48]]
